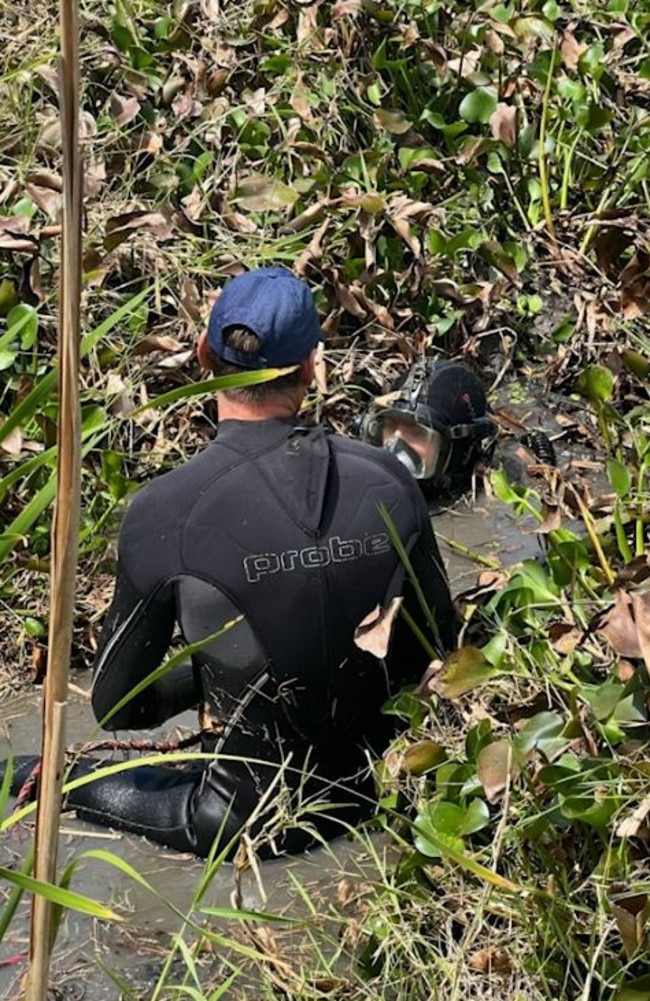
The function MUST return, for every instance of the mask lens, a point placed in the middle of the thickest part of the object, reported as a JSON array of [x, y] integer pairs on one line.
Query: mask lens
[[401, 434]]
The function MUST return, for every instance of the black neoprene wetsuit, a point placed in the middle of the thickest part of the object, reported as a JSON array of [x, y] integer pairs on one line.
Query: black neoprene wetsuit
[[279, 524]]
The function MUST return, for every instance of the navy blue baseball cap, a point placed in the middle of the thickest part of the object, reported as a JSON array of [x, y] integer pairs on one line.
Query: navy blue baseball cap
[[276, 306]]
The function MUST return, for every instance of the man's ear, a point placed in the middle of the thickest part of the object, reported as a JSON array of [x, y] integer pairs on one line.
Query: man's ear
[[202, 351]]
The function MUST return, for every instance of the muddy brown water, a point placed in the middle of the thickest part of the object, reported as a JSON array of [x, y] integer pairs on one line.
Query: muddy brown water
[[134, 950]]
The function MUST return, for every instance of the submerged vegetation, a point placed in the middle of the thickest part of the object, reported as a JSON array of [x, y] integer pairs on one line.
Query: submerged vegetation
[[461, 179]]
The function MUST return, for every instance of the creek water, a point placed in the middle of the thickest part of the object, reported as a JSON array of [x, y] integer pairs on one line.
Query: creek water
[[133, 950]]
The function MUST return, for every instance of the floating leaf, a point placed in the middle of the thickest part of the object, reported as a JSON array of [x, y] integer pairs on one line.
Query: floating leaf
[[394, 122], [478, 106], [619, 476], [258, 193], [503, 124], [477, 816], [438, 820], [543, 731], [423, 756], [496, 769], [596, 384], [462, 671]]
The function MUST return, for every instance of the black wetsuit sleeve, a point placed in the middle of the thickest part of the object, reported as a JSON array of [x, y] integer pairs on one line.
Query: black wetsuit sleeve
[[135, 638]]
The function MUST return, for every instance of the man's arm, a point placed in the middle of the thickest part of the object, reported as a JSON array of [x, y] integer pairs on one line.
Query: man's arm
[[134, 640]]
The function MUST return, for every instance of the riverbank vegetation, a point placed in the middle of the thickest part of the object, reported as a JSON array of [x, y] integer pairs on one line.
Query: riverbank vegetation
[[467, 180]]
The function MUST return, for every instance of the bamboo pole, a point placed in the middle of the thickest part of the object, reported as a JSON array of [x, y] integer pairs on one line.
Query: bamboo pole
[[65, 528]]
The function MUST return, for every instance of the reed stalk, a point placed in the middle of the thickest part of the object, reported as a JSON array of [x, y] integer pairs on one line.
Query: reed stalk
[[65, 529]]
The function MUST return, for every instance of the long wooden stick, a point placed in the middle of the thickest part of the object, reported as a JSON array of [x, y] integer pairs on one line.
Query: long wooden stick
[[65, 528]]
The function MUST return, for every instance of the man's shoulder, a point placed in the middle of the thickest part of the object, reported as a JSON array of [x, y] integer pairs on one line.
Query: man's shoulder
[[169, 493]]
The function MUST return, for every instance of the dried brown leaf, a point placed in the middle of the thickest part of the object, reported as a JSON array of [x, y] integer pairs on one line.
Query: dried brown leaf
[[564, 636], [343, 8], [158, 342], [123, 109], [619, 627], [494, 42], [641, 609], [630, 827], [46, 179], [635, 286], [186, 106], [313, 213], [503, 123], [320, 370], [50, 202], [190, 302], [308, 24], [496, 769], [121, 227], [14, 234], [551, 516], [631, 914], [373, 633], [259, 193], [627, 625], [12, 443], [570, 50], [490, 961], [348, 300]]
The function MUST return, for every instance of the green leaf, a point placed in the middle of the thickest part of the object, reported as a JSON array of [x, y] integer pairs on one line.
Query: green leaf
[[619, 476], [394, 122], [543, 731], [477, 106], [34, 627], [634, 990], [477, 816], [535, 27], [212, 386], [636, 363], [8, 295], [23, 319], [589, 810], [596, 384], [7, 358], [66, 898], [423, 756], [259, 193], [478, 738], [28, 406], [463, 670], [442, 819]]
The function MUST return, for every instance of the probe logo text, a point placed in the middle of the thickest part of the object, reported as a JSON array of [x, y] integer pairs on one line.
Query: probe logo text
[[335, 550]]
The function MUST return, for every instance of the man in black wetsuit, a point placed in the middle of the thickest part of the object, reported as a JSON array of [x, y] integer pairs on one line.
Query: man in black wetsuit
[[277, 525]]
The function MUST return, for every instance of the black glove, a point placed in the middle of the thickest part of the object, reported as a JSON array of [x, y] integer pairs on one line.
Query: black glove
[[26, 772], [23, 766]]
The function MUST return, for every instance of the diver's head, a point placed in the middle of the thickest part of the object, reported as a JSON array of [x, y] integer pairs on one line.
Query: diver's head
[[436, 422]]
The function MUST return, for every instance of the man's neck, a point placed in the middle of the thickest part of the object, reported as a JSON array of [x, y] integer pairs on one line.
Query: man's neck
[[273, 408]]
